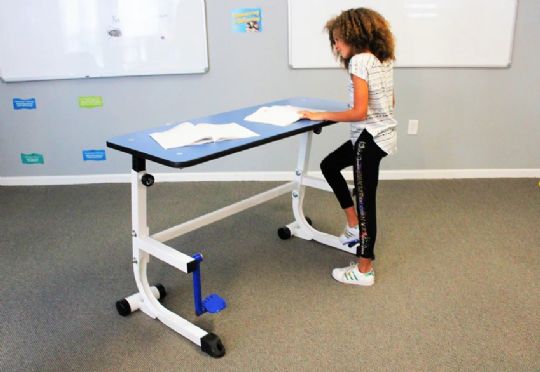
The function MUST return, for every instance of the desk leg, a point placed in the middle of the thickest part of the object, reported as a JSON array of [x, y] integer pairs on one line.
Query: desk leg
[[301, 227], [146, 298]]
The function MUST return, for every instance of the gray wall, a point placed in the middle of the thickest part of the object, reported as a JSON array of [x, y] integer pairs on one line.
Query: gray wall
[[469, 118]]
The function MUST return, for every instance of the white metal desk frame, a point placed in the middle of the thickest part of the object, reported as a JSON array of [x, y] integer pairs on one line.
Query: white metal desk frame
[[145, 245]]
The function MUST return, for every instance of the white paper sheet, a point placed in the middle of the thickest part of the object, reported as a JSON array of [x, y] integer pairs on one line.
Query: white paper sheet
[[277, 115]]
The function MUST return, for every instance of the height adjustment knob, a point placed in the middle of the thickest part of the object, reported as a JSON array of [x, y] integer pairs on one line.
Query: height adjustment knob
[[147, 179]]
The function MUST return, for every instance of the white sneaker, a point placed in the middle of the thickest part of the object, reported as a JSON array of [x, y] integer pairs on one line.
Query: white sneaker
[[351, 275], [350, 235]]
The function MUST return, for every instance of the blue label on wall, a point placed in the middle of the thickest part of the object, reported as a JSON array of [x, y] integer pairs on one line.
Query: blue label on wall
[[33, 158], [24, 104], [96, 155]]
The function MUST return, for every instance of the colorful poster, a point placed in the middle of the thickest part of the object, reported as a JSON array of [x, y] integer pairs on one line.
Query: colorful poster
[[90, 101], [95, 155], [24, 104], [33, 158], [247, 20]]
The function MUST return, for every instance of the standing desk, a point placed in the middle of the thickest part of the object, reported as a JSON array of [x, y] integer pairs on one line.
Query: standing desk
[[142, 148]]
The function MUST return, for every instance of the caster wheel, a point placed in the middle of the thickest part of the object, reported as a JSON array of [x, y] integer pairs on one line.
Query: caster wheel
[[284, 233], [147, 180], [162, 291], [123, 307], [211, 344], [308, 220]]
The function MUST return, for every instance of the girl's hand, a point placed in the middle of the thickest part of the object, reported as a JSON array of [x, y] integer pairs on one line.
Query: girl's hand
[[312, 115]]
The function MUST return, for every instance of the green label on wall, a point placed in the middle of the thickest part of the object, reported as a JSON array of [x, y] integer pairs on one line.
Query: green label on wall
[[90, 101], [33, 158]]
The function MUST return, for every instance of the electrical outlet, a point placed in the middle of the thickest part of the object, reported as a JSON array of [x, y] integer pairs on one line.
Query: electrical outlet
[[413, 127]]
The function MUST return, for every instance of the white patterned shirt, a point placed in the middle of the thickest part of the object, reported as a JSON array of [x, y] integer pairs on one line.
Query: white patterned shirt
[[380, 122]]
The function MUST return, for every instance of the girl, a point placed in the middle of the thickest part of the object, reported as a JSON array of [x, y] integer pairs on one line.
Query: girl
[[362, 40]]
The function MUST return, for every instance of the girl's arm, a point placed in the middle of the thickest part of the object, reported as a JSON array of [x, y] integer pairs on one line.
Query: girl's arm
[[357, 113]]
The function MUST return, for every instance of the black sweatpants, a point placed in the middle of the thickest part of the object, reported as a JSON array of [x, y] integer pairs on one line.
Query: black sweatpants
[[365, 157]]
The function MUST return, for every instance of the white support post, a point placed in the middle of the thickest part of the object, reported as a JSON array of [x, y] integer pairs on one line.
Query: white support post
[[140, 231], [143, 246], [302, 229]]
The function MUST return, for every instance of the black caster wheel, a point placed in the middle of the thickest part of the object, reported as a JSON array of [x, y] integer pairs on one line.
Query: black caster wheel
[[284, 233], [123, 307], [147, 180], [308, 220], [162, 291], [211, 344], [317, 130]]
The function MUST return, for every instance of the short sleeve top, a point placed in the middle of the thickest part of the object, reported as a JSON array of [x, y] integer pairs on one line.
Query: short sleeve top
[[380, 122]]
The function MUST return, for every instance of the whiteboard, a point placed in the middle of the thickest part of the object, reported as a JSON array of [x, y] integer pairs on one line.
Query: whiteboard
[[63, 39], [428, 33]]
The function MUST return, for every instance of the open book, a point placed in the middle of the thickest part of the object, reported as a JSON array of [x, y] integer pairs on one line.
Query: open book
[[277, 115], [187, 133]]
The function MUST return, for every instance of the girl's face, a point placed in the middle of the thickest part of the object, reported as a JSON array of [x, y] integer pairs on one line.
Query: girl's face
[[341, 48]]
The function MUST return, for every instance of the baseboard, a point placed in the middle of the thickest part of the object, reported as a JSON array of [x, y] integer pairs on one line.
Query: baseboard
[[420, 174], [267, 176]]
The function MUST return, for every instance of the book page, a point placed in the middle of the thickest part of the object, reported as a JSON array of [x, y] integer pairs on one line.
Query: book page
[[186, 134], [221, 132], [178, 136]]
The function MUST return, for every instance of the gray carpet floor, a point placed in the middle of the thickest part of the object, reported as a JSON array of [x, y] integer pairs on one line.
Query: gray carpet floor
[[457, 281]]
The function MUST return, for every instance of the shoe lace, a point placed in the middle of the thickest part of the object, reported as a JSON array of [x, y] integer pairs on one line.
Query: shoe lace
[[352, 266], [349, 233]]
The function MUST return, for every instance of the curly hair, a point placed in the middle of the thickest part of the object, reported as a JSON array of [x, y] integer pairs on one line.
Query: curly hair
[[362, 29]]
